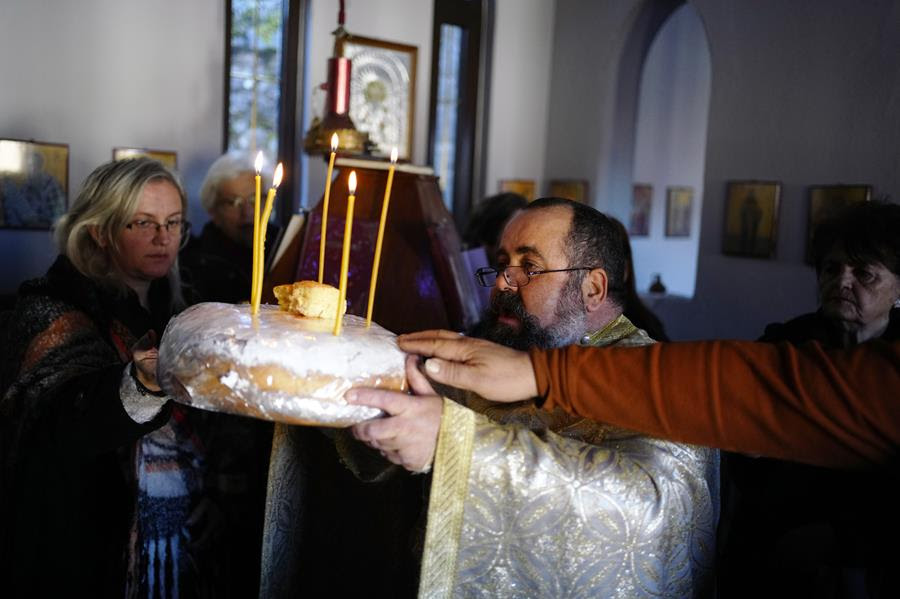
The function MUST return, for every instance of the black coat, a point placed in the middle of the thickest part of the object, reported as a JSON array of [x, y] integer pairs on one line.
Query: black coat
[[811, 529], [216, 269], [67, 492]]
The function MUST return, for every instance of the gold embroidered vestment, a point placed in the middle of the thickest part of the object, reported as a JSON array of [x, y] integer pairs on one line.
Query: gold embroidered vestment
[[527, 503]]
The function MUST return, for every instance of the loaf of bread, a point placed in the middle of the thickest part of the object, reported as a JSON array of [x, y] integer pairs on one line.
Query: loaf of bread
[[276, 365]]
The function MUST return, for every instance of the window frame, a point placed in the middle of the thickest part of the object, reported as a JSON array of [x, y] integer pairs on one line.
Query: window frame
[[295, 15], [476, 18]]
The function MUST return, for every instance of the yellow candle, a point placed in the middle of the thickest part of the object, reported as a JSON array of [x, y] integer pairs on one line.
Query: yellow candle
[[334, 145], [255, 275], [377, 261], [267, 212], [345, 255]]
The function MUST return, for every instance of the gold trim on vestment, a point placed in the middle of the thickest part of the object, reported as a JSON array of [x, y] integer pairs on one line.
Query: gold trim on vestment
[[449, 489], [615, 330]]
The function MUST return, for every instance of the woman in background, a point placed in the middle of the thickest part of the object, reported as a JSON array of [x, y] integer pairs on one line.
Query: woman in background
[[812, 528], [634, 309], [857, 260]]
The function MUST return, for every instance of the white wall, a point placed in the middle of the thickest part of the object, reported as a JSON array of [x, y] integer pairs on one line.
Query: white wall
[[670, 147], [96, 74], [803, 92], [520, 92], [588, 41]]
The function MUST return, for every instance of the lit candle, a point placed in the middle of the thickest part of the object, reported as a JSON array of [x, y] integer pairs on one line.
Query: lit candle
[[377, 261], [334, 145], [258, 165], [345, 255], [267, 212]]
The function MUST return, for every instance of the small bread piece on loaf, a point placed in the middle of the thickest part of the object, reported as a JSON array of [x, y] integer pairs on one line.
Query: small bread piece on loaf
[[309, 298]]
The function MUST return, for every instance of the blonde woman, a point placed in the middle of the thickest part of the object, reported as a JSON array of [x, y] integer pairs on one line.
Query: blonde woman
[[100, 472]]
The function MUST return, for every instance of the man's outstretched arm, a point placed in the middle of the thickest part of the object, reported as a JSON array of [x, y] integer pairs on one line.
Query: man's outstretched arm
[[832, 408]]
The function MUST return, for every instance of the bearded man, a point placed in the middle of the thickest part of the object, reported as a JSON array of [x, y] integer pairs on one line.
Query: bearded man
[[526, 502]]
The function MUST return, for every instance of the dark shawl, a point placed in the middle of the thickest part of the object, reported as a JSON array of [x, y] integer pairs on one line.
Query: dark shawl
[[66, 495], [816, 327]]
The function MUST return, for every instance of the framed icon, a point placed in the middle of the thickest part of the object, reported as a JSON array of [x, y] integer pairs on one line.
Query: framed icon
[[641, 202], [34, 183], [570, 189], [523, 187], [382, 91], [679, 201], [167, 157], [751, 218]]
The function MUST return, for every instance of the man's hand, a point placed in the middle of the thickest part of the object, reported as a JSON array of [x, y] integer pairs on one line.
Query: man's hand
[[408, 436], [492, 371], [145, 356]]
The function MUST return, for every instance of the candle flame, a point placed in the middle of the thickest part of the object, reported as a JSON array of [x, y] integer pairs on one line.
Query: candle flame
[[351, 183], [258, 162], [394, 155], [279, 173], [334, 142]]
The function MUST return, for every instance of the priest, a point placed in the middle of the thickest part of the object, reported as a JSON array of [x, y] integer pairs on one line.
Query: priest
[[539, 503]]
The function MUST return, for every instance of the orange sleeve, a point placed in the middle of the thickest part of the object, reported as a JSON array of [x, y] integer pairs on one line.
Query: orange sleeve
[[826, 407]]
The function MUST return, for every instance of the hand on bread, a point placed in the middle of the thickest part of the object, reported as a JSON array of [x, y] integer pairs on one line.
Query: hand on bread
[[408, 434], [491, 370]]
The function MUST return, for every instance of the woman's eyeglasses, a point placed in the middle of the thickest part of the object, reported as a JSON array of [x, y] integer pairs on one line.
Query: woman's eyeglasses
[[236, 202], [151, 228]]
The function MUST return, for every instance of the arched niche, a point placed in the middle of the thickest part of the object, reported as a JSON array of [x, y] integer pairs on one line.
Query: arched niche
[[659, 136]]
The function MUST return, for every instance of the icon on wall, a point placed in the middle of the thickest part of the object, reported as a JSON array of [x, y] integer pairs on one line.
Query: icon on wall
[[570, 189], [641, 202], [523, 187], [167, 157], [751, 218], [382, 91], [678, 211], [34, 182]]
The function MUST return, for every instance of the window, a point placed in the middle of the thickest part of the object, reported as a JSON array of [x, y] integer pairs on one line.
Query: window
[[459, 72], [263, 50], [254, 77], [446, 106]]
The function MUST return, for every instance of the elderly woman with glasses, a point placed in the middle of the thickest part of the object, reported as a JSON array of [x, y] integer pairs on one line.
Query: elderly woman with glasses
[[817, 531], [217, 265], [100, 472]]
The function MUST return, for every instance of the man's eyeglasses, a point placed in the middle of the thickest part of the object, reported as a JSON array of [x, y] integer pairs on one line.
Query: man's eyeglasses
[[150, 228], [516, 276]]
